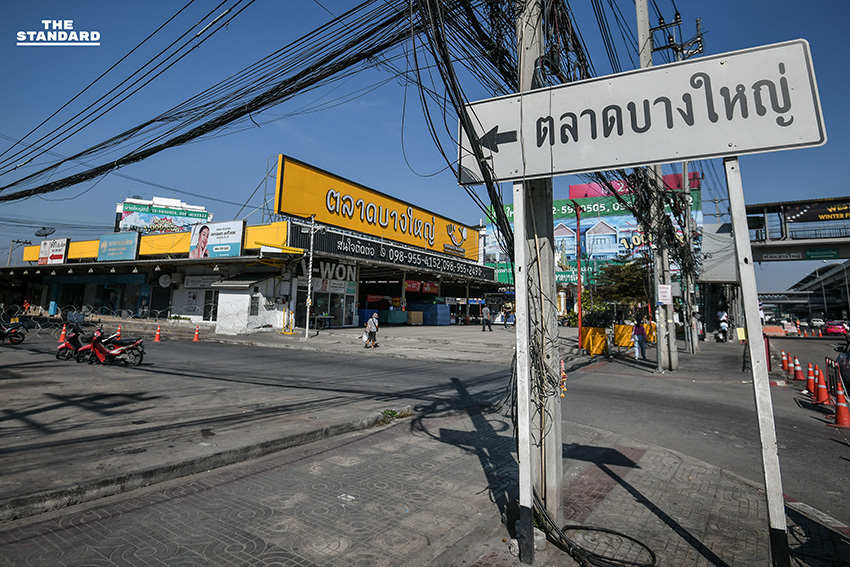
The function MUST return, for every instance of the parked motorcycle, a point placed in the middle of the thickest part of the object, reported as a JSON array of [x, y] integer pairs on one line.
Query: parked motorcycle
[[74, 340], [128, 351], [14, 333]]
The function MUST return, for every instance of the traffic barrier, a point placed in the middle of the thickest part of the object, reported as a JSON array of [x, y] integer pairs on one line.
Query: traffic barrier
[[834, 380], [810, 382], [784, 362], [822, 396], [63, 336], [798, 370], [157, 337], [197, 330], [118, 334], [842, 415]]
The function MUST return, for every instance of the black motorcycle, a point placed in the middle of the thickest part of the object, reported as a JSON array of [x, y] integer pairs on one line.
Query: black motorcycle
[[14, 333]]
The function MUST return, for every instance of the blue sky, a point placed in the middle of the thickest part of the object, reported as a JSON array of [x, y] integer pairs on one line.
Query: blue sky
[[379, 139]]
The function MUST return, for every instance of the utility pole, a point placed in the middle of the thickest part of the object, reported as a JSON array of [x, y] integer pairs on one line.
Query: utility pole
[[665, 328], [12, 247], [537, 325], [683, 51]]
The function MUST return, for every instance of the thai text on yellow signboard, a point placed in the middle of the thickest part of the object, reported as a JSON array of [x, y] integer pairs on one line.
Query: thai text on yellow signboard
[[303, 190]]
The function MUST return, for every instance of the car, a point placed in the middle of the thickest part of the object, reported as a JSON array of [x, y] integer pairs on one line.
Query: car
[[834, 328], [816, 323]]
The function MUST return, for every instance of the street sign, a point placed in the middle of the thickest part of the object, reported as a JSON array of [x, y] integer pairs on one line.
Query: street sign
[[751, 101]]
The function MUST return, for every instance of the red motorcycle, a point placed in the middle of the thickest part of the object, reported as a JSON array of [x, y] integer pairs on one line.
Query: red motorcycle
[[128, 351]]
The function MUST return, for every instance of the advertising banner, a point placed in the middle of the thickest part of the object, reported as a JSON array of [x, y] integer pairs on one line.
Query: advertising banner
[[118, 246], [672, 182], [217, 240], [818, 212], [430, 287], [412, 285], [303, 190], [152, 219], [53, 251]]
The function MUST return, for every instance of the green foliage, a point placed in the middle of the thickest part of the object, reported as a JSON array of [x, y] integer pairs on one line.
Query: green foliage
[[571, 319], [388, 415], [623, 282]]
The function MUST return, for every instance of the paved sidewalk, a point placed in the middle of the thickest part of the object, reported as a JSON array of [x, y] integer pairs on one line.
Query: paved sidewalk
[[432, 489]]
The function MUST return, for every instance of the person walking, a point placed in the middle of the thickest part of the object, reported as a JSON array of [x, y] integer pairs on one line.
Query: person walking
[[372, 329], [639, 338], [485, 319]]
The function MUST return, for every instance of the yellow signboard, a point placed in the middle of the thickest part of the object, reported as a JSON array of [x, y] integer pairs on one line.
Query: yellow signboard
[[303, 190]]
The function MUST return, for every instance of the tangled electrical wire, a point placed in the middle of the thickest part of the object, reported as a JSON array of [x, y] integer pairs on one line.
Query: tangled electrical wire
[[652, 203]]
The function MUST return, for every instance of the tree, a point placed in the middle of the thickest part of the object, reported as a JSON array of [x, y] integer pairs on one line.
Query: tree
[[624, 281]]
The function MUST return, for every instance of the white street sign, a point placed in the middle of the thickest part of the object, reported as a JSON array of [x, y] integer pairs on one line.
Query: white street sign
[[752, 101]]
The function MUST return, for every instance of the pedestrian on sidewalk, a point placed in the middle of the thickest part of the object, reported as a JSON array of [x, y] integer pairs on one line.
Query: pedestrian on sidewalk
[[372, 329], [485, 319], [639, 338]]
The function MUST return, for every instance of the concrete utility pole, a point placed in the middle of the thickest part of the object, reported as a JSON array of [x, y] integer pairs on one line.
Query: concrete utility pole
[[537, 324], [668, 353], [682, 52]]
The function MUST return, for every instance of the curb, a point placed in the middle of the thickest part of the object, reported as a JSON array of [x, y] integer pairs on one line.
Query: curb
[[48, 501]]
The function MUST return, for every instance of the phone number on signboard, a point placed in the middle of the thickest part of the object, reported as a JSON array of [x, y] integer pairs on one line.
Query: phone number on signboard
[[409, 258]]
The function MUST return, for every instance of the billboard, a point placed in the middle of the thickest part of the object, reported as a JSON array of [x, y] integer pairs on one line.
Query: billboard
[[154, 219], [216, 240], [303, 190], [818, 212], [608, 232], [672, 182], [118, 246]]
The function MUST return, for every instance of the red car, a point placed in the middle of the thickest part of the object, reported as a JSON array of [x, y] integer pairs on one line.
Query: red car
[[834, 328]]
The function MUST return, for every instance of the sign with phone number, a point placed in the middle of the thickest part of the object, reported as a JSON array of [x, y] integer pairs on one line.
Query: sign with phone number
[[366, 249]]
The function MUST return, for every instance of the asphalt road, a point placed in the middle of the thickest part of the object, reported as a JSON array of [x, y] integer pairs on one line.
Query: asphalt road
[[714, 420], [711, 418]]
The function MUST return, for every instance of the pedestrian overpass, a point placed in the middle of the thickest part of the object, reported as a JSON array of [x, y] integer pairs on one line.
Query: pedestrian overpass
[[800, 230]]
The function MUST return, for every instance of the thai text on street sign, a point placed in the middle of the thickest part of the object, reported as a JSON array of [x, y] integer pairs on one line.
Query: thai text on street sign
[[751, 101]]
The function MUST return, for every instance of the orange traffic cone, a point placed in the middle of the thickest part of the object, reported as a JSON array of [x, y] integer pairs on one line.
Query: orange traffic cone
[[197, 330], [798, 370], [805, 333], [820, 333], [823, 393], [156, 337], [118, 334], [811, 385], [784, 362], [842, 415], [62, 337]]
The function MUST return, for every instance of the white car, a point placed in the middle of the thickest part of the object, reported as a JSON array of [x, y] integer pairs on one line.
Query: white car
[[817, 323]]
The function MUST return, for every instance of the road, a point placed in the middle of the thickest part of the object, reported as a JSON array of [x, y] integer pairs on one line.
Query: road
[[713, 419], [710, 417]]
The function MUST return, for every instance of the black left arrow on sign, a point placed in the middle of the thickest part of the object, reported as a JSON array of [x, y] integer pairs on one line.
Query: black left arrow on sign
[[492, 139]]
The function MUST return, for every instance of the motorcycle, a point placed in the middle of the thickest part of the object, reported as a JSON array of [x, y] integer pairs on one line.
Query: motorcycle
[[128, 351], [74, 339], [14, 333]]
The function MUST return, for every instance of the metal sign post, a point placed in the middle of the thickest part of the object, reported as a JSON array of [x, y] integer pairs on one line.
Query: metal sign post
[[761, 385], [525, 526]]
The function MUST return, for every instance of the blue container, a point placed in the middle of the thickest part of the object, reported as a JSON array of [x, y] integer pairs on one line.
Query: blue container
[[53, 309]]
